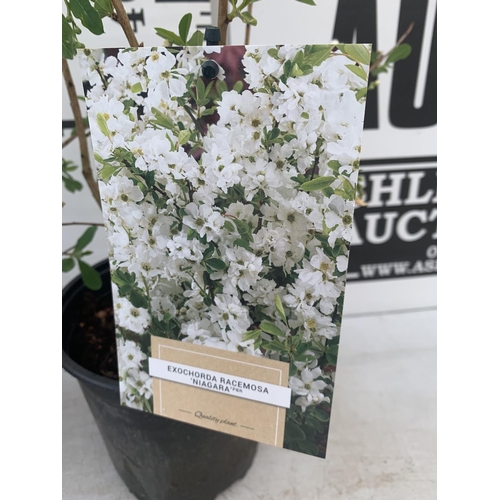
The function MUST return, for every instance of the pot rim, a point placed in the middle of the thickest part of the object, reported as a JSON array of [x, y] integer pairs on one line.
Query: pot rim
[[79, 372]]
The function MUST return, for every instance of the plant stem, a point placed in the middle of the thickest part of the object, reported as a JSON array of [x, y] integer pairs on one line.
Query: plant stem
[[122, 18], [66, 252], [223, 21], [80, 132], [71, 138], [195, 121], [402, 38], [248, 27]]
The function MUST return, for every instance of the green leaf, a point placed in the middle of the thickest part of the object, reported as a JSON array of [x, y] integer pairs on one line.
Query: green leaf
[[68, 40], [316, 424], [220, 86], [67, 264], [273, 53], [243, 229], [162, 120], [228, 226], [331, 358], [361, 93], [184, 136], [279, 307], [85, 238], [71, 184], [91, 278], [357, 70], [184, 25], [294, 431], [102, 124], [138, 299], [320, 415], [251, 335], [136, 88], [123, 278], [333, 348], [238, 86], [170, 36], [318, 183], [357, 52], [274, 345], [296, 71], [305, 357], [196, 40], [308, 2], [88, 15], [240, 242], [200, 89], [107, 172], [104, 7], [271, 328], [247, 18], [216, 264], [399, 53], [334, 165], [316, 54], [349, 188]]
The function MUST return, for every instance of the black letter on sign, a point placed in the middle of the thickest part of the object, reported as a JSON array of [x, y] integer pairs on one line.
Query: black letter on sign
[[402, 112], [360, 17]]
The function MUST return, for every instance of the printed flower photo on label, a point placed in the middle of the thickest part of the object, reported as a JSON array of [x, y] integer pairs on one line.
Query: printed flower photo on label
[[228, 205]]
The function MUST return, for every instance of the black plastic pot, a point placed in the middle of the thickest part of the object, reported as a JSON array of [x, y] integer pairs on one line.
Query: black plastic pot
[[157, 458]]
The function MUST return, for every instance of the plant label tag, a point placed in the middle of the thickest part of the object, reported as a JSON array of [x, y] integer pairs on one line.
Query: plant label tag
[[228, 179], [236, 406]]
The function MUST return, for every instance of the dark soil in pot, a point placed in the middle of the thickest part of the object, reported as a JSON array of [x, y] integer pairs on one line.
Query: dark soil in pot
[[157, 458]]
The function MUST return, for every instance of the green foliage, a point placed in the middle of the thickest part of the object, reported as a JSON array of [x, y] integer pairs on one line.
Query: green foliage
[[356, 52], [75, 255], [167, 327], [89, 14], [182, 39], [357, 70], [127, 287], [279, 307], [271, 328], [398, 53], [85, 239], [104, 7], [382, 63], [91, 278], [307, 431], [317, 184], [71, 184]]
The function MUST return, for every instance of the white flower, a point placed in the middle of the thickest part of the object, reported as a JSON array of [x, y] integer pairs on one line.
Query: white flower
[[135, 319], [228, 313], [197, 332], [308, 388], [140, 382], [204, 220], [244, 268], [129, 354], [339, 219], [306, 384]]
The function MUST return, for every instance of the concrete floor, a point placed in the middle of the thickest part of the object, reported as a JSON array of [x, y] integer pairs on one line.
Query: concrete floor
[[382, 441]]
